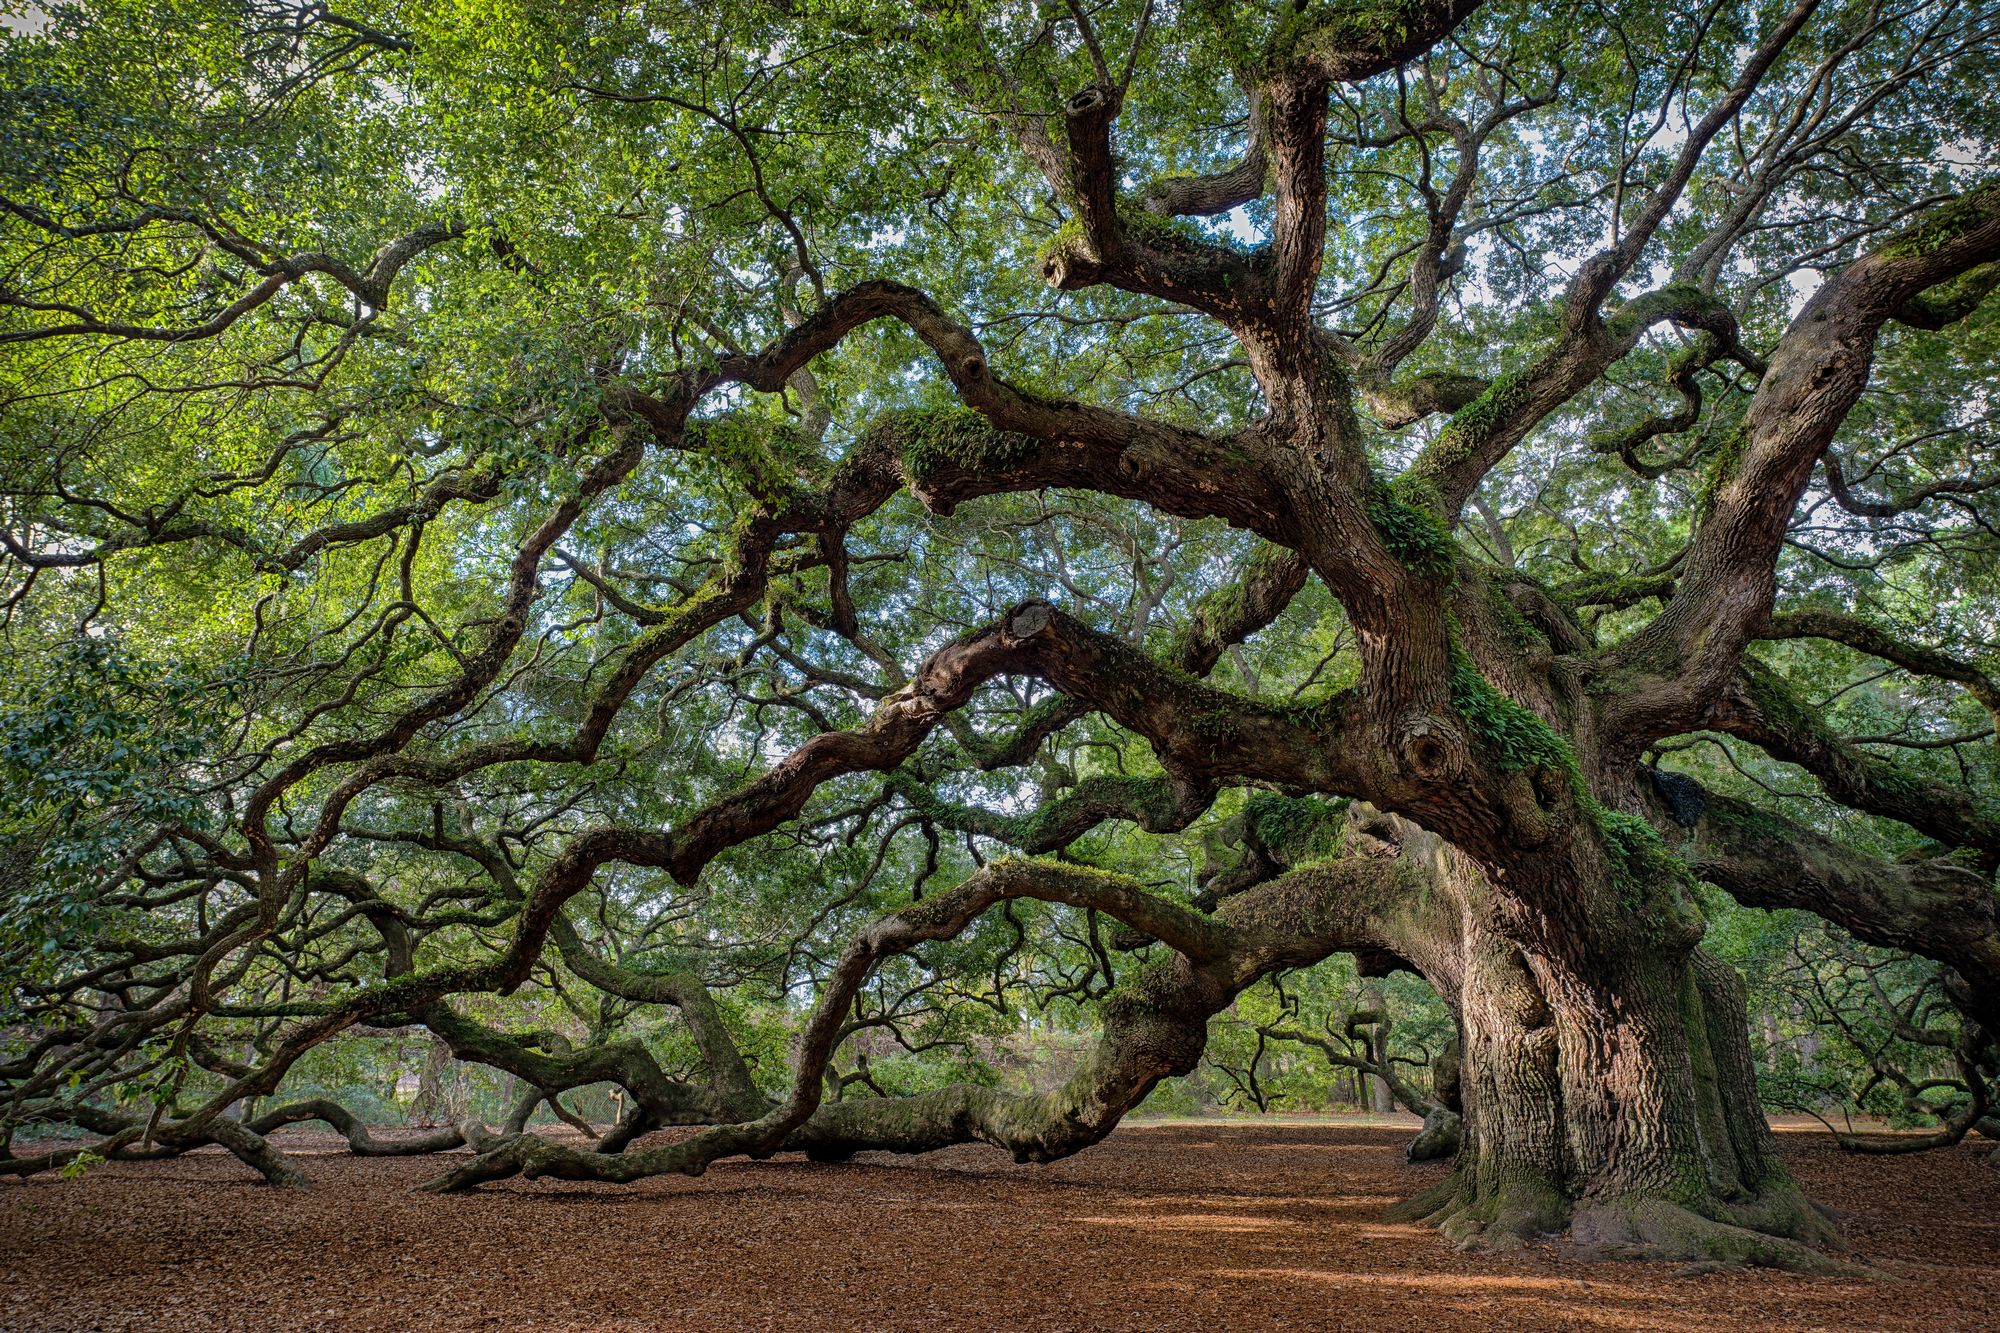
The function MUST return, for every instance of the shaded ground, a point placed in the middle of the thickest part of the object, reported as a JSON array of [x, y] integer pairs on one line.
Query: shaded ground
[[1166, 1227]]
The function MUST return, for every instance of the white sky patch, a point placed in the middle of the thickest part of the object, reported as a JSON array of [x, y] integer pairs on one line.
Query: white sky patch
[[1238, 224], [28, 18], [1801, 285]]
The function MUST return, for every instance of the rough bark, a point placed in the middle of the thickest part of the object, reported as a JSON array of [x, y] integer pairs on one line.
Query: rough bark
[[1606, 1093]]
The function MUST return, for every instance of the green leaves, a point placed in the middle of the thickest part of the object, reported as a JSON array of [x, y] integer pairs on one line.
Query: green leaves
[[99, 749]]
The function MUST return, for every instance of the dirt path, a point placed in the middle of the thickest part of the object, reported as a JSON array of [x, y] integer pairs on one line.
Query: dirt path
[[1175, 1227]]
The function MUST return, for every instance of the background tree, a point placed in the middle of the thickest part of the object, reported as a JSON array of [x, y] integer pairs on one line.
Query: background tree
[[491, 511]]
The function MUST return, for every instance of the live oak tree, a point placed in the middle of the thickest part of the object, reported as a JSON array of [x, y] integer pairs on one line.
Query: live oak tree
[[527, 521]]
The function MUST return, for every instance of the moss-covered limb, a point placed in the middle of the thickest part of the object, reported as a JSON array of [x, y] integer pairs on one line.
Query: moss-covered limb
[[1479, 433], [1197, 937], [1866, 636], [1404, 402], [939, 443], [1165, 257], [1007, 439], [1229, 614], [1762, 708], [1031, 441], [729, 1077], [1940, 908], [1294, 832], [242, 1142], [1950, 301], [1482, 432], [1957, 224], [1616, 591], [1681, 303], [359, 1140], [1344, 43], [533, 1156], [1202, 734], [1157, 805], [1269, 836]]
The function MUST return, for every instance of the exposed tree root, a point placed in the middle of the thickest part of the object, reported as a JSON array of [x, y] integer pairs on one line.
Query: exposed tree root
[[1780, 1229], [1516, 1213], [1654, 1228], [1428, 1204]]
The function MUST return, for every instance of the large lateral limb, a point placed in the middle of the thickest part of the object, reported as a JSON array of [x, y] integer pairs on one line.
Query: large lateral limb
[[1154, 1026], [1228, 737], [1866, 636], [1224, 617], [1819, 369], [243, 1142], [360, 1140], [1202, 943], [1939, 908], [1761, 708]]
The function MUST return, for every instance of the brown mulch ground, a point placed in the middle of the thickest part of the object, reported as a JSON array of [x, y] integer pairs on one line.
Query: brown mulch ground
[[1188, 1226]]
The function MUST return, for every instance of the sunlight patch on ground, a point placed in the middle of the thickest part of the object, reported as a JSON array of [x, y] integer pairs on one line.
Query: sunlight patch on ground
[[1549, 1301], [1196, 1222]]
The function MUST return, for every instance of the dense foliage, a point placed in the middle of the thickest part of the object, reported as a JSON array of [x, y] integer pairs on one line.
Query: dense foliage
[[782, 566]]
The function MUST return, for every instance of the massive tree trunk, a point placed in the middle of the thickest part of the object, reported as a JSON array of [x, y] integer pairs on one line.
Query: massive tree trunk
[[1606, 1091]]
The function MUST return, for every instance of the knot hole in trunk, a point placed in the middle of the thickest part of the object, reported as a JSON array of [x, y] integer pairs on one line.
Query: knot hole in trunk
[[1430, 749]]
